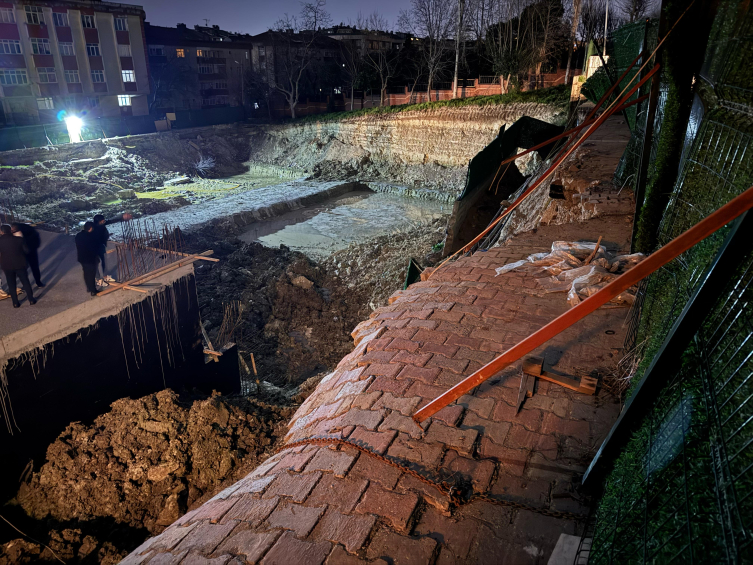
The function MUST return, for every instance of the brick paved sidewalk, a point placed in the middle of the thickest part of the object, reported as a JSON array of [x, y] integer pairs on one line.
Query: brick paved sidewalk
[[336, 505], [317, 504]]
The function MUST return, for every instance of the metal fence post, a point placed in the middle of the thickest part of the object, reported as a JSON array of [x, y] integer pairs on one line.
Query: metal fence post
[[701, 303]]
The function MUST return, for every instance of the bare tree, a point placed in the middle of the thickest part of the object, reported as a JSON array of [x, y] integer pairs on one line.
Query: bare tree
[[458, 39], [169, 80], [353, 62], [634, 10], [295, 40], [381, 58], [573, 36], [433, 22]]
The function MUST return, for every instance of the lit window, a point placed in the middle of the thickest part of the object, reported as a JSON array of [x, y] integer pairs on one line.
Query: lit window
[[200, 53], [66, 48], [60, 19], [47, 74], [124, 50], [98, 76], [156, 50], [124, 100], [94, 102], [40, 46], [93, 49], [10, 46], [121, 24], [45, 104], [7, 16], [34, 15], [72, 77], [88, 21], [128, 76], [13, 76], [180, 53]]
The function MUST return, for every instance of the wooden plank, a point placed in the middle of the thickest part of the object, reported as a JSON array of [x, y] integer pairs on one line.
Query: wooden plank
[[567, 382], [154, 274], [155, 249], [212, 353], [532, 365]]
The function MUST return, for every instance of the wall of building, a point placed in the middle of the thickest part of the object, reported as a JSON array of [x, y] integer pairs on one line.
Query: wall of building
[[22, 105]]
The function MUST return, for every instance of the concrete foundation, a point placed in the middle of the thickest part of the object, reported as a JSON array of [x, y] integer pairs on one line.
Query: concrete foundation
[[73, 364]]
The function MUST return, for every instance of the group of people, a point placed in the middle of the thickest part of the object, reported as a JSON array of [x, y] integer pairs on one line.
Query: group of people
[[19, 246], [91, 249]]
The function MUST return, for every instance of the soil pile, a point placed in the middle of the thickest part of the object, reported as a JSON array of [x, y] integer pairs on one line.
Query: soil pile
[[297, 318], [147, 461]]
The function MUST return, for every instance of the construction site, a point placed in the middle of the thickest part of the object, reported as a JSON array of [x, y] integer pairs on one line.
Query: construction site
[[467, 332]]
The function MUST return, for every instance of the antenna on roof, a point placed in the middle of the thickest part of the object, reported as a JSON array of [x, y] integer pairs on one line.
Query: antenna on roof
[[206, 22]]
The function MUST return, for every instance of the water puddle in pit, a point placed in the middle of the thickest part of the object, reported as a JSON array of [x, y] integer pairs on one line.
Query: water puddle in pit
[[353, 217]]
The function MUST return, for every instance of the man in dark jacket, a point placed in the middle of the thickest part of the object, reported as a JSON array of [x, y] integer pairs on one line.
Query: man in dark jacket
[[13, 263], [32, 241], [102, 235], [88, 255]]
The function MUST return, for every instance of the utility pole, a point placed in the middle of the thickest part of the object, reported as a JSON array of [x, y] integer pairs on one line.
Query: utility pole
[[458, 34], [606, 20]]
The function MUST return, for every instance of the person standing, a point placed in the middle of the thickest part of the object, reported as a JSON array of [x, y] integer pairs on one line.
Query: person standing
[[33, 242], [13, 263], [87, 250], [102, 235]]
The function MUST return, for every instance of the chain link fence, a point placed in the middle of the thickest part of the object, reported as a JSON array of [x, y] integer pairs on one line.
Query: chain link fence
[[682, 489]]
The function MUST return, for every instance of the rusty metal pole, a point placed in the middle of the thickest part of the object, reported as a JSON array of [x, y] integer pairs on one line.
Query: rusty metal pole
[[655, 261]]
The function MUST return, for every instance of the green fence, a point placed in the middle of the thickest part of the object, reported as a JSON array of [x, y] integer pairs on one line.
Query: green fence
[[682, 489], [97, 128]]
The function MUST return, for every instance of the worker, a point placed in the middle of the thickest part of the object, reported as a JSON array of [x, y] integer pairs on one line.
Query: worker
[[102, 235], [33, 242], [13, 263], [87, 250]]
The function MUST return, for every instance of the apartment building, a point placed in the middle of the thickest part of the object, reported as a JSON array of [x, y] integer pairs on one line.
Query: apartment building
[[203, 67], [85, 57], [366, 40]]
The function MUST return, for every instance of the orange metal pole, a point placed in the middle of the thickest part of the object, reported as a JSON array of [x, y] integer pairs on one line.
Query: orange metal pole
[[655, 261], [564, 155]]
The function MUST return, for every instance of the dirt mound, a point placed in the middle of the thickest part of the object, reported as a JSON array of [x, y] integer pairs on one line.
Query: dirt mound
[[377, 268], [297, 318], [147, 461], [70, 546]]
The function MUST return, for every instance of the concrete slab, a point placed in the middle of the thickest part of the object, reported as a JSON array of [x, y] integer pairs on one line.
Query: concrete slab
[[64, 306]]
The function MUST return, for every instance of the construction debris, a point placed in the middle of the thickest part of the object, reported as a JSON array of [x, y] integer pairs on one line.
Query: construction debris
[[578, 268]]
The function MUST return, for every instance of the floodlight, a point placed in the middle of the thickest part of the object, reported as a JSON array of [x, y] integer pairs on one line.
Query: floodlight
[[74, 125]]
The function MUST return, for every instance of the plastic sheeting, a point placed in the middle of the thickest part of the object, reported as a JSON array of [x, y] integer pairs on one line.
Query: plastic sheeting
[[567, 271]]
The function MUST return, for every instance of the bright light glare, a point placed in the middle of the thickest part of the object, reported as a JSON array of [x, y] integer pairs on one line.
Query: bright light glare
[[74, 125]]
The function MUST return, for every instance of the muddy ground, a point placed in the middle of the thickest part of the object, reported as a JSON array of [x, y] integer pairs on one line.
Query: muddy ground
[[108, 485], [69, 183]]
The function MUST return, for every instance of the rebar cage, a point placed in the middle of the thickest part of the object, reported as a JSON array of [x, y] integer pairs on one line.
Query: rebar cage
[[681, 491]]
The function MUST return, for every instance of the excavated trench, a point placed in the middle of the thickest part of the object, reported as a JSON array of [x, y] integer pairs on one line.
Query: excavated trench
[[306, 271]]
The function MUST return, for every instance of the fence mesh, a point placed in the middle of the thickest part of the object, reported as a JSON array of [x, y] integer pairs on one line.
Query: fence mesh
[[682, 489]]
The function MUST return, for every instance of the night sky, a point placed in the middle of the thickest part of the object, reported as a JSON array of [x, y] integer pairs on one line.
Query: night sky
[[254, 16]]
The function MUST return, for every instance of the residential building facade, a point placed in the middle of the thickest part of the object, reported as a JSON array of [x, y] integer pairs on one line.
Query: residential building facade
[[203, 67], [366, 40], [85, 57]]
